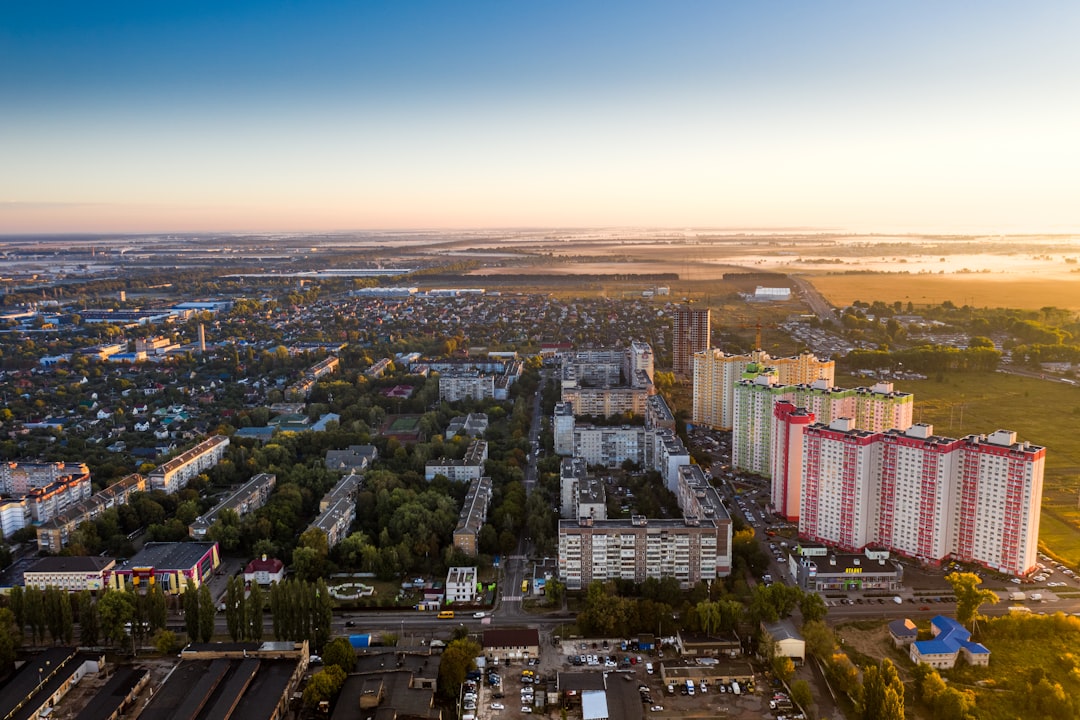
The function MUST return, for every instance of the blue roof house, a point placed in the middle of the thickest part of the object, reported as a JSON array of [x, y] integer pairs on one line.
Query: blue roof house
[[950, 639]]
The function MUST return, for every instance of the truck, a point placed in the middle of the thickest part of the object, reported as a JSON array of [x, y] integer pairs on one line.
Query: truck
[[1017, 596]]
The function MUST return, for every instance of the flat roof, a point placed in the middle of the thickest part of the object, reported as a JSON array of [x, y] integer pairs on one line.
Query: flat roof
[[168, 556], [24, 682], [74, 563], [112, 695]]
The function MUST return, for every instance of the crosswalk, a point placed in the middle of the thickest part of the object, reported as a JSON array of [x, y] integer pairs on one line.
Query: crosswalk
[[511, 598]]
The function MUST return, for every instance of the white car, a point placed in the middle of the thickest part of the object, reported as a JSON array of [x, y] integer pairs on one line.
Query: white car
[[498, 706], [657, 708], [479, 614], [526, 709]]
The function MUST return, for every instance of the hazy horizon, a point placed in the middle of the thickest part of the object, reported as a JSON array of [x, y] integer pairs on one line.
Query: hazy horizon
[[137, 118]]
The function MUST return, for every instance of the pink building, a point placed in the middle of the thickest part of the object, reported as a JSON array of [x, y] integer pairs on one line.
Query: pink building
[[789, 423]]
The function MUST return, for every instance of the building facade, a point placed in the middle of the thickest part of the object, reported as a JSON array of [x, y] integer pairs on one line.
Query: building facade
[[175, 474], [473, 516], [691, 333]]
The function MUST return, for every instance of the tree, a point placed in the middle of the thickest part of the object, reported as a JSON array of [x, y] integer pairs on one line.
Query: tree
[[812, 607], [339, 651], [324, 685], [458, 658], [206, 614], [165, 642], [116, 609], [255, 613], [820, 641], [969, 596], [783, 667], [34, 612], [10, 635], [802, 696], [88, 619], [235, 617], [883, 693], [191, 611]]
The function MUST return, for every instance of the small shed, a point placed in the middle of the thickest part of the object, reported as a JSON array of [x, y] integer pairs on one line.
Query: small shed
[[903, 632]]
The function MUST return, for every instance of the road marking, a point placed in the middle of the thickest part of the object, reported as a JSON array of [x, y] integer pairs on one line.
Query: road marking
[[509, 598]]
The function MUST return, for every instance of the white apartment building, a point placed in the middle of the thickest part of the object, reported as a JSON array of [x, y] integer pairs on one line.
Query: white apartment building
[[928, 497], [461, 585], [175, 474], [20, 478], [917, 502], [840, 465], [1000, 498], [455, 386], [562, 426], [637, 549], [609, 446]]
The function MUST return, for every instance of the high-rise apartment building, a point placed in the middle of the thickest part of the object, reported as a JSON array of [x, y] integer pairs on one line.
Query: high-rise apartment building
[[716, 374], [789, 422], [975, 499], [690, 335]]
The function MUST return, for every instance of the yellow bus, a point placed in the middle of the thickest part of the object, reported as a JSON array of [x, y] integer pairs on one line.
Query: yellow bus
[[524, 586], [446, 614]]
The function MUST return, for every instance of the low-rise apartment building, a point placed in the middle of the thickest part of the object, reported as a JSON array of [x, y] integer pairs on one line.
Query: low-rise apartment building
[[337, 510], [175, 474], [252, 495], [473, 516]]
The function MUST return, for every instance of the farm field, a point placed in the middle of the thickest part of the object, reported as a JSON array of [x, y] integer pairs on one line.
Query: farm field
[[1040, 411], [976, 289]]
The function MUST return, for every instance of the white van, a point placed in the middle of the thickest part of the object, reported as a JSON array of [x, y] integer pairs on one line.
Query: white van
[[690, 688]]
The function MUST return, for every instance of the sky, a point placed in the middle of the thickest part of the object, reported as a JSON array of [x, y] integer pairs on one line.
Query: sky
[[293, 116]]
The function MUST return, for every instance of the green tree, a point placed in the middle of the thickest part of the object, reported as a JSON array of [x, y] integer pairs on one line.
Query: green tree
[[17, 603], [191, 611], [88, 619], [969, 596], [34, 612], [10, 637], [255, 613], [458, 658], [812, 607], [165, 642], [235, 617], [802, 696], [820, 641], [883, 693], [324, 685], [157, 612], [206, 613], [339, 651], [783, 668], [115, 608], [322, 614]]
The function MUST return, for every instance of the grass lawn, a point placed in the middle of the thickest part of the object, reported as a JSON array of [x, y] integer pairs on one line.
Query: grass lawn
[[404, 423], [1039, 411]]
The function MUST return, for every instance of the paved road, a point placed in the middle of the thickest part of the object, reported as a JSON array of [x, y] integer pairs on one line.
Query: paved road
[[817, 302]]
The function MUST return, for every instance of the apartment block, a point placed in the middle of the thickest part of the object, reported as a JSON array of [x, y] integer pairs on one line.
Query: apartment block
[[461, 585], [563, 428], [605, 401], [691, 333], [337, 510], [637, 549], [610, 445], [252, 495], [45, 503], [473, 516], [466, 469], [53, 535], [840, 465], [932, 498], [175, 474], [466, 385], [20, 478], [789, 423]]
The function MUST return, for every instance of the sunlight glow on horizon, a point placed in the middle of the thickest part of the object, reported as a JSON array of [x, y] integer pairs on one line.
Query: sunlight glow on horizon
[[825, 117]]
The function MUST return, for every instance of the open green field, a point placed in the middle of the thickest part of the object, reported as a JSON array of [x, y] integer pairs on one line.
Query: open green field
[[975, 289], [1040, 411]]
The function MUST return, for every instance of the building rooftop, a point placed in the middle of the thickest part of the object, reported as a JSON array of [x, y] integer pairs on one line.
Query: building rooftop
[[168, 556], [74, 563]]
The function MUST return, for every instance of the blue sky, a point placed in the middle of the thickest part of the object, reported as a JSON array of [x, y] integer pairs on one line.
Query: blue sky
[[162, 116]]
